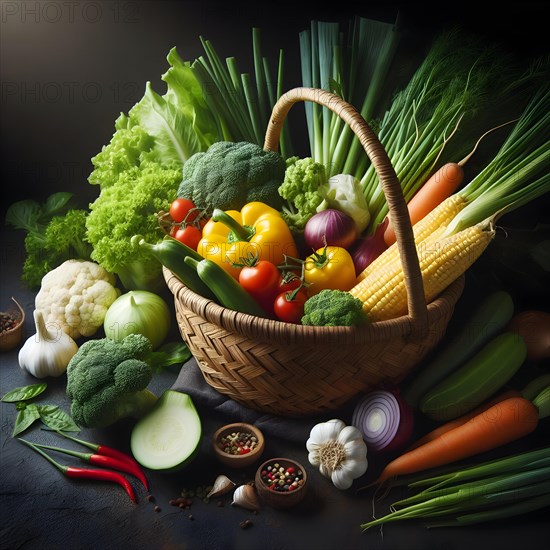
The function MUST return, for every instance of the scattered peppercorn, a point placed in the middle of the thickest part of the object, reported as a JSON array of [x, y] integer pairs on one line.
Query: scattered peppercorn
[[157, 509], [150, 498], [245, 524]]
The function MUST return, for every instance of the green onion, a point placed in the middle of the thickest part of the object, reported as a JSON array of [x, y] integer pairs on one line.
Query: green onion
[[496, 489], [454, 82], [517, 174], [241, 103]]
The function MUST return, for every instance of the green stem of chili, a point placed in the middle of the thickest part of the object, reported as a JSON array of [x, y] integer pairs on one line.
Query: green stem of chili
[[102, 460]]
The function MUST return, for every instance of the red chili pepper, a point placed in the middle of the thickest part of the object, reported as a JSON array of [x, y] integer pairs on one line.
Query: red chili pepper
[[102, 460], [83, 473], [103, 450]]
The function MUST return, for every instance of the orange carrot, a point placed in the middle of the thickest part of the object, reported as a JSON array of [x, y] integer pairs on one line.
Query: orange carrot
[[447, 426], [441, 185], [502, 423], [438, 187]]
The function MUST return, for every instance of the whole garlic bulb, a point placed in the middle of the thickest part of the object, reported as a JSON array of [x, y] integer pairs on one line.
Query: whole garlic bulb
[[46, 353], [339, 451]]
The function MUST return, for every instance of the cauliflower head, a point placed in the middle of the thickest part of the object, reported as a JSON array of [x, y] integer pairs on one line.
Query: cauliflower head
[[229, 175], [75, 296]]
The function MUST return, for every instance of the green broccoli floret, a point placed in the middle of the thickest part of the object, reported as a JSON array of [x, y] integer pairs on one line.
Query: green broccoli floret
[[107, 381], [228, 175], [302, 188], [333, 308]]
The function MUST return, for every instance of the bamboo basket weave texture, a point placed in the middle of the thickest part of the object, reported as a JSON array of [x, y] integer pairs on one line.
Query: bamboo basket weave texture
[[294, 370]]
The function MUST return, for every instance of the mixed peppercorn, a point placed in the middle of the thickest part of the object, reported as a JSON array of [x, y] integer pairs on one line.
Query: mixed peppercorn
[[282, 479], [7, 322], [238, 443]]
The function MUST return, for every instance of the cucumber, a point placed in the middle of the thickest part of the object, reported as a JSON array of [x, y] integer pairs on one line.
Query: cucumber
[[171, 253], [228, 291], [169, 436], [488, 319], [477, 380]]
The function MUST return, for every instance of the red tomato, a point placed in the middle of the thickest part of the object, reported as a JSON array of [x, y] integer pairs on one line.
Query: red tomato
[[290, 311], [180, 208], [261, 280], [188, 235]]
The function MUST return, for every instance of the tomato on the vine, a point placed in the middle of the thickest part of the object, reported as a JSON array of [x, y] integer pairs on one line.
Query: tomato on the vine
[[184, 209], [188, 235], [261, 280], [290, 310]]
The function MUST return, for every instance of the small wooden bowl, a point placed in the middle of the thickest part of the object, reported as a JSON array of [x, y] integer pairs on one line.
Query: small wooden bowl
[[9, 339], [281, 499], [238, 460]]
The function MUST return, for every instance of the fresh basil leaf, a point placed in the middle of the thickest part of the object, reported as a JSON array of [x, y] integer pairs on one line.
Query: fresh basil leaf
[[25, 418], [24, 393], [55, 203], [57, 419], [169, 354], [24, 215]]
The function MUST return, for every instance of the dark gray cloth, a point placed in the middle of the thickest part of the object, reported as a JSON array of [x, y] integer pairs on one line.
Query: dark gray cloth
[[191, 381]]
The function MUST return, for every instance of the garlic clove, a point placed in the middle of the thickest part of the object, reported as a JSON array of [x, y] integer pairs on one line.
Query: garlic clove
[[222, 485], [245, 496]]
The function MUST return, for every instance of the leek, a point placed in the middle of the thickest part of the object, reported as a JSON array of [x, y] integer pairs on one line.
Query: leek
[[353, 65]]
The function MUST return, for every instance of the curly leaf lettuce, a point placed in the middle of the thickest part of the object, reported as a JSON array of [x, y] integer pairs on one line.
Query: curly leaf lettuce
[[139, 171]]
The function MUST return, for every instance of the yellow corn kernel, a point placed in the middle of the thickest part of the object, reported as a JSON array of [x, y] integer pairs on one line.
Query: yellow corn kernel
[[384, 295], [430, 226]]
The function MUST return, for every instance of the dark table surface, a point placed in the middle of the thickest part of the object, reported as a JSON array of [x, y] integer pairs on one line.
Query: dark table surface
[[41, 509]]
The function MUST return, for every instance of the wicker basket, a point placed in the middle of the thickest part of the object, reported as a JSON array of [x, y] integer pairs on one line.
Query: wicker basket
[[294, 370]]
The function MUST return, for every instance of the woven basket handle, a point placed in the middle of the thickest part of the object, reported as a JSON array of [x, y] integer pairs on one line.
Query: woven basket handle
[[397, 206]]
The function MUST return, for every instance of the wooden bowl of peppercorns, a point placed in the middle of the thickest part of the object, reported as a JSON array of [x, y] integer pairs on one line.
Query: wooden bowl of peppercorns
[[281, 482], [11, 326], [238, 445]]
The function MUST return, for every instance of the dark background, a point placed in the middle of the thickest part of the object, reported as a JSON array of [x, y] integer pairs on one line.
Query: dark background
[[69, 68]]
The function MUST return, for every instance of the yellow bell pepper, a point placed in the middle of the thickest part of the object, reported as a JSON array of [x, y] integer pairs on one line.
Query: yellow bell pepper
[[257, 230], [330, 267]]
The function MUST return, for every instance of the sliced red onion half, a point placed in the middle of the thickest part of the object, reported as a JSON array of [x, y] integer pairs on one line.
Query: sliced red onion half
[[384, 419]]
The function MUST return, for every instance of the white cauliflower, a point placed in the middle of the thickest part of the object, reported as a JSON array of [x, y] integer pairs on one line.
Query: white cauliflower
[[75, 297]]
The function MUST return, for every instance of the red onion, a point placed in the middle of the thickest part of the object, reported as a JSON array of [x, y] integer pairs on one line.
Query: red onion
[[385, 420], [366, 249], [333, 225]]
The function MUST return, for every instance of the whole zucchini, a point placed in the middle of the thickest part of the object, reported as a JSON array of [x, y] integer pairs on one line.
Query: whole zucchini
[[229, 293], [477, 380], [171, 254], [487, 320]]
